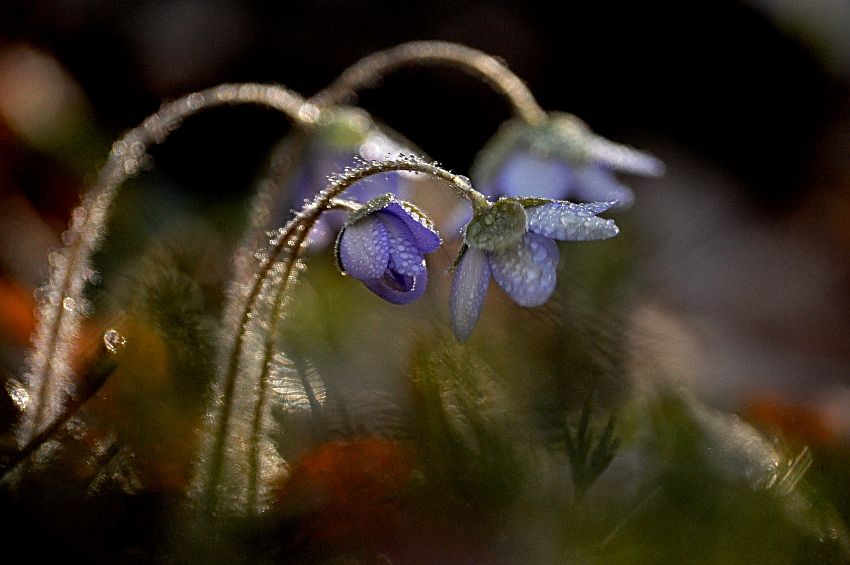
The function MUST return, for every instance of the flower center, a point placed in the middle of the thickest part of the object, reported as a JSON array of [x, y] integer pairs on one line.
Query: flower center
[[397, 281]]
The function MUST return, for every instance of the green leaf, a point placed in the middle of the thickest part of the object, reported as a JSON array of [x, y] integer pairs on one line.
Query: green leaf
[[473, 449], [589, 453]]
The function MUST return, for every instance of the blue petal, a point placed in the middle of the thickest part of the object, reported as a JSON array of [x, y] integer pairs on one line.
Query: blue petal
[[567, 221], [594, 183], [527, 175], [622, 157], [424, 235], [527, 272], [469, 286], [405, 257], [397, 288], [364, 249]]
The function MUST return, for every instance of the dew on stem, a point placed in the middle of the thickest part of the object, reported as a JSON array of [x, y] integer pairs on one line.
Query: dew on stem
[[368, 70], [234, 447], [61, 305]]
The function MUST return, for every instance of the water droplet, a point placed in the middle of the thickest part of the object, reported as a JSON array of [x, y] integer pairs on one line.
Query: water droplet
[[308, 113], [78, 217], [195, 100], [18, 394], [113, 341], [131, 166], [137, 149], [226, 92], [69, 304]]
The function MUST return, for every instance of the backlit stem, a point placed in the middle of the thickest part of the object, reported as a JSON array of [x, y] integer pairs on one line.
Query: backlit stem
[[61, 309], [368, 70], [282, 255]]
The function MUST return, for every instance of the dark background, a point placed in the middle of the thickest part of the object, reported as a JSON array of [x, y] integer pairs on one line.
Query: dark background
[[742, 278], [746, 238], [716, 76]]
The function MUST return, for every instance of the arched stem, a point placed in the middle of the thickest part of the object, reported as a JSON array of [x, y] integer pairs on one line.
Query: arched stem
[[60, 309], [368, 70], [282, 257]]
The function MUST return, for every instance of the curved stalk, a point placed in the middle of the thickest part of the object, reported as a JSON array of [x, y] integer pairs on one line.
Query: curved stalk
[[368, 70], [62, 305], [243, 386], [364, 73]]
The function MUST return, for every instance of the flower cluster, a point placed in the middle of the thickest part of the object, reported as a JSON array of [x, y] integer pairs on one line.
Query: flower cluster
[[514, 242], [383, 244]]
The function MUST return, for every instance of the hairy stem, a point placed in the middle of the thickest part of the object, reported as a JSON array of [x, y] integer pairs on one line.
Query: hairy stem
[[280, 260], [103, 367], [62, 305], [368, 70]]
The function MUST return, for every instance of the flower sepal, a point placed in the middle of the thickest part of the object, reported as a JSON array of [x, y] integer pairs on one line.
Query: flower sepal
[[498, 227], [531, 201]]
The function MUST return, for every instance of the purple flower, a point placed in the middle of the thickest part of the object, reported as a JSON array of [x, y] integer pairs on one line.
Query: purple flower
[[383, 244], [560, 159], [344, 137], [514, 242]]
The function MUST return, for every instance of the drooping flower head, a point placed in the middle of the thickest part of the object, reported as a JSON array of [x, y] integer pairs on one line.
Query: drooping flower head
[[561, 159], [383, 244], [513, 241]]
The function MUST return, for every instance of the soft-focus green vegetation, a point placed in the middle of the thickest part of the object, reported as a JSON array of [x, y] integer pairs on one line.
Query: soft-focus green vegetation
[[551, 436]]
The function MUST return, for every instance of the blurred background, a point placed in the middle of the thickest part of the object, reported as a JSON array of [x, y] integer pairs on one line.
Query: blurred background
[[745, 241], [741, 273]]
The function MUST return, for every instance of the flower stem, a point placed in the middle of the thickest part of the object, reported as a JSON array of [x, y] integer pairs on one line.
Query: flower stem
[[101, 369], [61, 309], [280, 264], [366, 71], [345, 205]]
